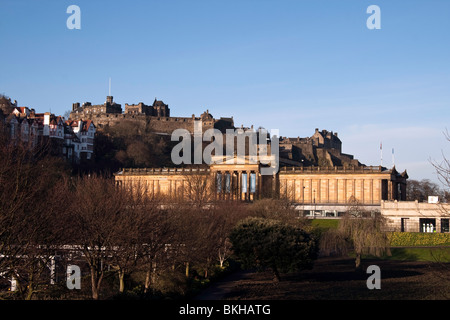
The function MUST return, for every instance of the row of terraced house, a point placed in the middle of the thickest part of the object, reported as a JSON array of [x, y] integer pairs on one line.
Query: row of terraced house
[[71, 139]]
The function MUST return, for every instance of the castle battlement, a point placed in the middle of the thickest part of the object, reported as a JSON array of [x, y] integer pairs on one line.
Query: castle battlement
[[156, 116]]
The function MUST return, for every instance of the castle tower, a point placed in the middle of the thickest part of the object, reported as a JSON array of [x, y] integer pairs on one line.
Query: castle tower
[[160, 109], [109, 100], [75, 106]]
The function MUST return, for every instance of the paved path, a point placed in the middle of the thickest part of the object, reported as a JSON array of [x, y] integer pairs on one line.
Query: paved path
[[217, 291]]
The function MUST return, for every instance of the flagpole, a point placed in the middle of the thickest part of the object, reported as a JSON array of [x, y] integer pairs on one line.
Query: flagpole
[[381, 153], [393, 158]]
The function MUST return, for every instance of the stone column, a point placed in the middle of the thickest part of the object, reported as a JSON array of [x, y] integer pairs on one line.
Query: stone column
[[293, 193], [248, 185], [362, 191], [302, 190], [153, 188], [215, 185], [390, 190], [175, 190], [371, 190], [259, 185], [253, 195], [239, 185], [228, 189], [233, 185], [319, 190], [345, 191], [354, 187], [336, 191], [222, 182], [182, 189], [403, 191], [224, 185]]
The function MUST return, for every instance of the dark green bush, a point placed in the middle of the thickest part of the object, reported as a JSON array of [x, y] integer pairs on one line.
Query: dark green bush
[[264, 243]]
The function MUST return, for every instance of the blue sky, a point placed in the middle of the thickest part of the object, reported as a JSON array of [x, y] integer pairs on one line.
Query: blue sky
[[288, 65]]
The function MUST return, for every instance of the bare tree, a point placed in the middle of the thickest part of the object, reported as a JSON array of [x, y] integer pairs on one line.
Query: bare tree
[[157, 236], [360, 231], [198, 188], [420, 190], [96, 219], [213, 226], [443, 168], [277, 209], [29, 208], [125, 243], [155, 232], [443, 171]]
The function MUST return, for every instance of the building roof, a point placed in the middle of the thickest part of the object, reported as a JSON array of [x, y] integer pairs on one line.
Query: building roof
[[85, 125], [159, 103]]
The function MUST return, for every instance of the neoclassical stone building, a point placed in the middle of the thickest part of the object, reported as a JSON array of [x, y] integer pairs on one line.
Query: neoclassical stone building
[[328, 191], [314, 190], [414, 216], [311, 172]]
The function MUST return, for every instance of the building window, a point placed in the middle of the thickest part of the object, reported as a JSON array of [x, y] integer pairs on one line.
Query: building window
[[244, 183], [427, 225], [219, 182], [445, 225], [253, 182], [227, 183], [404, 225]]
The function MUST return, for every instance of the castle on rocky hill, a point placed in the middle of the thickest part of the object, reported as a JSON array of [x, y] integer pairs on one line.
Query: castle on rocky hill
[[156, 116], [323, 148]]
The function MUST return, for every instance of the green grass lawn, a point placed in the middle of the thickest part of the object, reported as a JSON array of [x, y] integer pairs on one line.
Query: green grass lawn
[[325, 223], [436, 254]]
